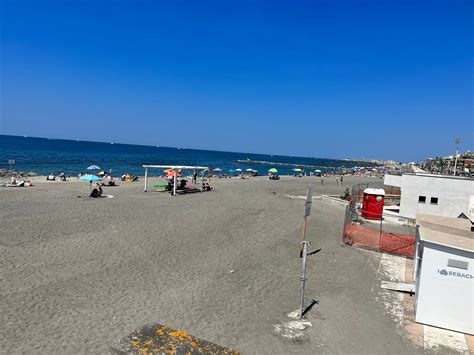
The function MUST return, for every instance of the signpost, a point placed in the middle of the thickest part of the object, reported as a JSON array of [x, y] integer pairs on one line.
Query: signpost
[[304, 253], [11, 162], [307, 212]]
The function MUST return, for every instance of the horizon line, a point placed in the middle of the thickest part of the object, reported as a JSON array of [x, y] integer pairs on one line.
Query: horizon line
[[205, 150]]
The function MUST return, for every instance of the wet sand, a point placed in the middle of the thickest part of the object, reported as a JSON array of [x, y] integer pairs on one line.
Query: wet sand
[[79, 273]]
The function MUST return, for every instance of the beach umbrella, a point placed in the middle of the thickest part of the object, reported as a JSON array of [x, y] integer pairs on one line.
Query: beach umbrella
[[231, 170], [238, 170], [317, 171], [93, 167], [249, 170], [273, 170], [90, 178], [218, 169], [298, 170], [168, 171]]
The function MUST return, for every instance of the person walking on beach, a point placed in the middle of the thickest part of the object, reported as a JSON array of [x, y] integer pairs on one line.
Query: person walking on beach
[[341, 179], [194, 177], [322, 180]]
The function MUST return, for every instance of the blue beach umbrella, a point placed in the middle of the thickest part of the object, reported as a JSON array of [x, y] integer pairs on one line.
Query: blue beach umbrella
[[90, 178]]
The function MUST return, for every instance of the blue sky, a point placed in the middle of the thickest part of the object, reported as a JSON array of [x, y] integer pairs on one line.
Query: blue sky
[[362, 79]]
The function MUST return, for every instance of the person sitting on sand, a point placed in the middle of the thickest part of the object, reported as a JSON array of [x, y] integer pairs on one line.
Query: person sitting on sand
[[62, 177], [12, 181], [97, 192], [182, 184]]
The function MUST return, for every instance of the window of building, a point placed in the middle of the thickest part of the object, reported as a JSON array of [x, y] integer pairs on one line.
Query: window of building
[[421, 199], [434, 201]]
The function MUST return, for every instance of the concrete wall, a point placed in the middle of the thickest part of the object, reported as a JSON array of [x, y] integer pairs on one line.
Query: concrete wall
[[393, 180], [453, 194]]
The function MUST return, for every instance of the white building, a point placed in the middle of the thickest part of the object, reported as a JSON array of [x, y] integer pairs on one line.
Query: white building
[[439, 195], [444, 273]]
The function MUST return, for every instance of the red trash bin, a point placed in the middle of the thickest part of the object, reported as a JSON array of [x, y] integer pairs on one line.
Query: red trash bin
[[372, 203]]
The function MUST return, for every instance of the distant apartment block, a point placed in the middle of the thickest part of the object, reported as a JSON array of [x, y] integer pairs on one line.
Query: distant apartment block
[[439, 195]]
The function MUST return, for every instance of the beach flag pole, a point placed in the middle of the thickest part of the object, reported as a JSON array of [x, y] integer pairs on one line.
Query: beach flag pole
[[307, 212]]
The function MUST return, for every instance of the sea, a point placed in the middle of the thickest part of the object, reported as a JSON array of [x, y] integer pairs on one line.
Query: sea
[[45, 156]]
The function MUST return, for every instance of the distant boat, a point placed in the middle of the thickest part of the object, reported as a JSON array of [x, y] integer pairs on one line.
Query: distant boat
[[157, 146], [25, 136]]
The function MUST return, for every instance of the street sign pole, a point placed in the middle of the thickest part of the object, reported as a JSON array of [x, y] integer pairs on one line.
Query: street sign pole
[[304, 244], [11, 162], [307, 212]]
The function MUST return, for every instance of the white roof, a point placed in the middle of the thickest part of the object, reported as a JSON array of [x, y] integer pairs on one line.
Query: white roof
[[448, 231], [370, 191]]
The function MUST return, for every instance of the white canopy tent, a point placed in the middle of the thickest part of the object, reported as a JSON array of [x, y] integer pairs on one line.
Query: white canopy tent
[[172, 167]]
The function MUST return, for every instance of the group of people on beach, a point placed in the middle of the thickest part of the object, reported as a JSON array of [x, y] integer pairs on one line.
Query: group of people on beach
[[52, 177], [129, 177]]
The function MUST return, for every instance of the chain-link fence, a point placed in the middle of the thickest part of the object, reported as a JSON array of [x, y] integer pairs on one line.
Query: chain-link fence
[[390, 233]]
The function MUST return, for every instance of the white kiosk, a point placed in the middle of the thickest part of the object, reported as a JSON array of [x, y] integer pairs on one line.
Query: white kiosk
[[444, 273]]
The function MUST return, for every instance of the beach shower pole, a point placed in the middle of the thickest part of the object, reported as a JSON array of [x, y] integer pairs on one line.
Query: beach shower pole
[[146, 176], [303, 276]]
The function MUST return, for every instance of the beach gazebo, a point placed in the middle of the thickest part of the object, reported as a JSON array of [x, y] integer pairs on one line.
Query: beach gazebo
[[175, 168]]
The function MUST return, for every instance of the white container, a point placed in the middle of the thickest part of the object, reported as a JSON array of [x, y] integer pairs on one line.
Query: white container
[[444, 273]]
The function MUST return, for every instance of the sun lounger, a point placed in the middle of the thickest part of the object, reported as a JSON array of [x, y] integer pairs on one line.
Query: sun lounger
[[18, 184]]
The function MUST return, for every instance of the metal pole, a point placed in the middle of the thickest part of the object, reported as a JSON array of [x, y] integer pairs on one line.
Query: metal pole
[[417, 249], [175, 181], [457, 141], [380, 234], [146, 176], [303, 235], [303, 276]]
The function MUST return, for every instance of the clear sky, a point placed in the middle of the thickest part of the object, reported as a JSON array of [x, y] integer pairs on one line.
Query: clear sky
[[362, 79]]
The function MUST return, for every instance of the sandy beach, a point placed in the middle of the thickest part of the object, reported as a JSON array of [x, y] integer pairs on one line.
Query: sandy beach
[[79, 273]]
